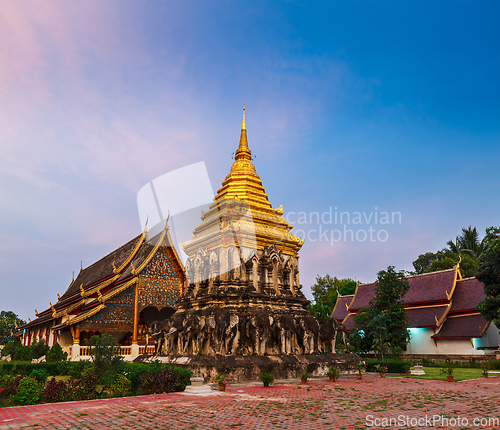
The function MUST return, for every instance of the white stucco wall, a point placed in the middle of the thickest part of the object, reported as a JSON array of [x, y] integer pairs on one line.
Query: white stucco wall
[[491, 338], [421, 343]]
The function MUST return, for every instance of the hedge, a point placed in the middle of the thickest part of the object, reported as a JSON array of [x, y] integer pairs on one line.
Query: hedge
[[393, 366]]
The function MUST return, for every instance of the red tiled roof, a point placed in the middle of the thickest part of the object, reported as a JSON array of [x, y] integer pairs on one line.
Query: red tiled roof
[[468, 293], [462, 327], [425, 316], [340, 310], [364, 293], [349, 322], [430, 287]]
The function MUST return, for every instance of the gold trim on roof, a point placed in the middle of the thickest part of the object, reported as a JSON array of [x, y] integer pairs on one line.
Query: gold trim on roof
[[132, 254], [443, 317], [85, 315], [99, 287], [137, 270], [76, 305], [485, 329], [117, 290]]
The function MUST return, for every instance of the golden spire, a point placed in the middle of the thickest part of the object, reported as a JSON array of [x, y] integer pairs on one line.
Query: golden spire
[[243, 157], [267, 227]]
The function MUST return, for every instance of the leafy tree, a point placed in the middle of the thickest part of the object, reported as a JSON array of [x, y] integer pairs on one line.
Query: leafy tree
[[446, 259], [467, 243], [390, 289], [325, 293], [11, 348], [466, 249], [383, 327], [104, 353], [8, 321], [361, 337], [382, 340], [55, 354], [489, 275], [39, 349]]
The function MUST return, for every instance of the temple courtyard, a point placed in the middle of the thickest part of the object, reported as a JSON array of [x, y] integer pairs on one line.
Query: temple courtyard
[[373, 402]]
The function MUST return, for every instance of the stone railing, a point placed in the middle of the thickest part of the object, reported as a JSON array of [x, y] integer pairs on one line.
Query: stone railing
[[149, 350]]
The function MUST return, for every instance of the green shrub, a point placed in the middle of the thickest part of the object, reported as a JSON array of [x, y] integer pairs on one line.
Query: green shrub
[[266, 377], [333, 371], [184, 375], [133, 372], [11, 347], [121, 385], [25, 368], [167, 381], [39, 375], [78, 368], [23, 353], [447, 368], [56, 354], [85, 388], [38, 349], [6, 384], [393, 366], [28, 391]]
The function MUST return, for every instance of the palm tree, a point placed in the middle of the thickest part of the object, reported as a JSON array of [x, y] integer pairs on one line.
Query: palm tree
[[467, 243]]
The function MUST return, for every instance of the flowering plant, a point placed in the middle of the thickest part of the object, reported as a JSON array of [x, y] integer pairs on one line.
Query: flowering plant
[[332, 371], [382, 368], [359, 366], [223, 378], [305, 375]]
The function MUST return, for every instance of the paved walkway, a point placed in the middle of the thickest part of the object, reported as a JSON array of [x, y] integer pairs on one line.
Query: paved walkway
[[345, 404]]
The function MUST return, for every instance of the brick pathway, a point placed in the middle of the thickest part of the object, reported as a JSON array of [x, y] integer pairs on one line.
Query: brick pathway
[[344, 404]]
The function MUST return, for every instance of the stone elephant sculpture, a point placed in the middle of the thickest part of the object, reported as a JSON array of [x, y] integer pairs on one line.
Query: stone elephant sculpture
[[328, 334], [191, 334], [286, 334], [155, 330], [174, 337], [308, 331], [258, 329]]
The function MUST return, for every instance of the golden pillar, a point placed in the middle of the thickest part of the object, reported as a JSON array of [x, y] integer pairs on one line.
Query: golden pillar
[[136, 314]]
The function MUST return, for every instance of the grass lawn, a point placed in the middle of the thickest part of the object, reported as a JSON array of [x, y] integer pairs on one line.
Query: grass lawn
[[459, 374]]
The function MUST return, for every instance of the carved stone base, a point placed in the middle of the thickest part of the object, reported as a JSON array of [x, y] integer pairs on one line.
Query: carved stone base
[[248, 368]]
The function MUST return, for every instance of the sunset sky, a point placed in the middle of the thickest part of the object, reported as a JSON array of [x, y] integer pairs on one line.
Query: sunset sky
[[365, 107]]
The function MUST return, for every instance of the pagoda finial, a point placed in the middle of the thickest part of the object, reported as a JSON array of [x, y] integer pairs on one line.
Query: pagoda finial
[[243, 155]]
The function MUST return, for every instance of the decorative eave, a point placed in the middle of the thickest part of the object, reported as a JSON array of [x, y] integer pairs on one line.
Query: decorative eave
[[137, 270], [100, 286], [71, 308], [445, 314], [84, 315], [117, 290], [133, 253]]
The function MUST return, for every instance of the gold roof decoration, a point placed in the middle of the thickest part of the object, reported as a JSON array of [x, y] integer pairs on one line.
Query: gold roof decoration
[[242, 192]]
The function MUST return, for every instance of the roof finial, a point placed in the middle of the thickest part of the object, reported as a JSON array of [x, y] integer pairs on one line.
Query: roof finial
[[243, 125]]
